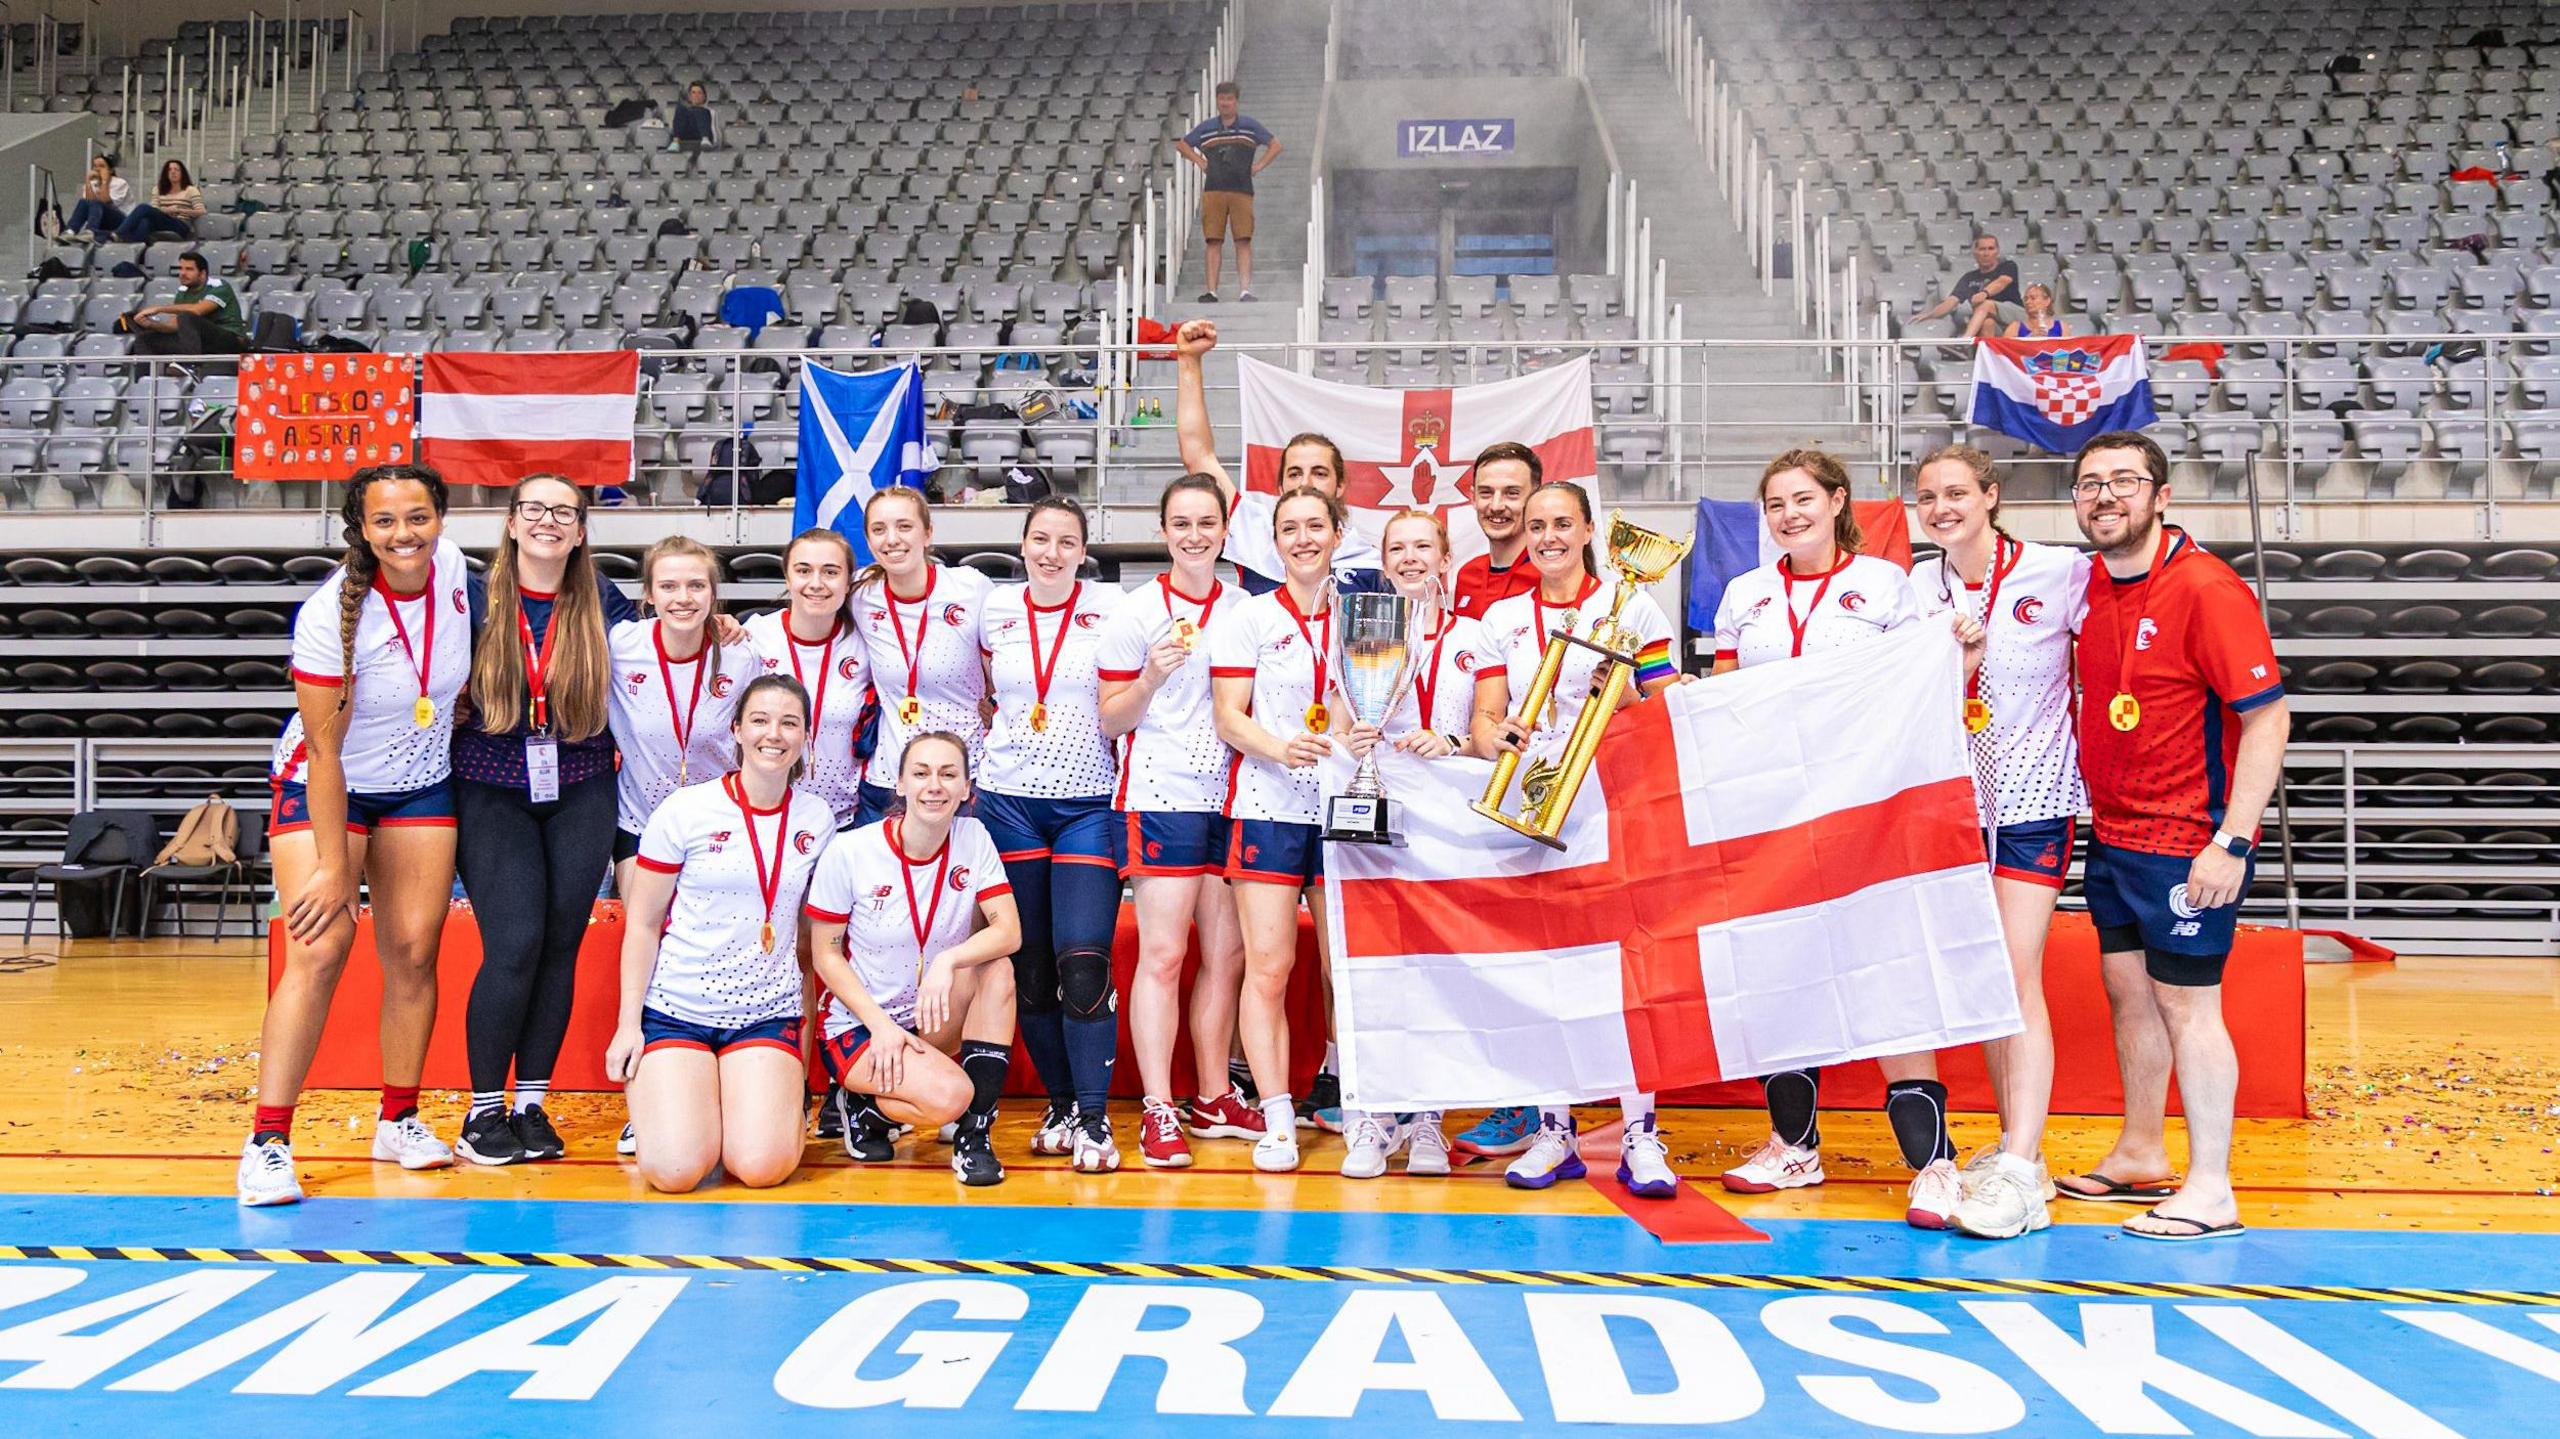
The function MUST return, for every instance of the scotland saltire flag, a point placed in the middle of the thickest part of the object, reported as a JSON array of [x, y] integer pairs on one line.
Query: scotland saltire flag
[[858, 433], [2059, 394]]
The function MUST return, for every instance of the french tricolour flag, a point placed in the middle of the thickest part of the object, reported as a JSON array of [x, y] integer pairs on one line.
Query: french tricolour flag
[[1775, 868], [2058, 395], [488, 419]]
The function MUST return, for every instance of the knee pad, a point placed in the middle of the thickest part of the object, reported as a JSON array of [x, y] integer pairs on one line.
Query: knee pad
[[1084, 983], [1035, 981]]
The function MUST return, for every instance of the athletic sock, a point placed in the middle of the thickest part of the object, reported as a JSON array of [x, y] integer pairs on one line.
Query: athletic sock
[[1638, 1109], [1045, 1035], [531, 1093], [985, 1065], [399, 1101], [1795, 1104], [1279, 1115], [272, 1121], [1917, 1109], [1332, 1058], [1092, 1044], [1239, 1077], [486, 1101]]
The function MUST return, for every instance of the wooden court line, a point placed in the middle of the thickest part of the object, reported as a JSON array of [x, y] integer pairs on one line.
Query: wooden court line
[[1296, 1273]]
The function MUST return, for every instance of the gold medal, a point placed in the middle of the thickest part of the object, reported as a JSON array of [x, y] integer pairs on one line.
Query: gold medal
[[768, 936], [423, 713], [1184, 632], [1039, 717], [1977, 714], [2124, 712], [910, 710], [1318, 721], [682, 762]]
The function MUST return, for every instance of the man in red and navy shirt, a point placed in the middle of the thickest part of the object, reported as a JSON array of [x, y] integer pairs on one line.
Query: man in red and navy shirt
[[2182, 732], [1499, 485]]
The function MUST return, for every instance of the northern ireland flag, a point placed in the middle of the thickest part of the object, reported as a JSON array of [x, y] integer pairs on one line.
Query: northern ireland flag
[[488, 419], [1416, 449], [1774, 868], [2058, 395]]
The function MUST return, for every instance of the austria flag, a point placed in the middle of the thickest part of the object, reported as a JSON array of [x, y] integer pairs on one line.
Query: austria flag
[[489, 419], [2057, 395]]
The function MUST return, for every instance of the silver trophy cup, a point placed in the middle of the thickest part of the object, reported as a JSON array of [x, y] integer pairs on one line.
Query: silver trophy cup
[[1382, 653]]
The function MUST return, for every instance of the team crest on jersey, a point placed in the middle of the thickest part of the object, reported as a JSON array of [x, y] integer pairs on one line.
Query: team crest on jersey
[[959, 878], [2143, 633], [457, 602], [1466, 662], [848, 667], [955, 615], [1087, 619], [720, 687], [2026, 609], [802, 841], [1852, 602]]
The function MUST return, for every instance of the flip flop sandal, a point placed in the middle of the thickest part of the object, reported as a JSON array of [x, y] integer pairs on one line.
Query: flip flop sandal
[[2115, 1191], [2196, 1230]]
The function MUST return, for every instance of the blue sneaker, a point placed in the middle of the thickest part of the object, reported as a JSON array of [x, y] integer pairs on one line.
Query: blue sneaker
[[1505, 1131]]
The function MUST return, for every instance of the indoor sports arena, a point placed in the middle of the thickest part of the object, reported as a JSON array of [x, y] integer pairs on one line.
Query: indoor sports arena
[[1818, 718]]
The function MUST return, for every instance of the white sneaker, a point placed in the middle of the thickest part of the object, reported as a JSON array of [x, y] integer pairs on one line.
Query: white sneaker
[[629, 1143], [266, 1174], [1981, 1161], [1276, 1152], [1057, 1132], [2004, 1201], [1426, 1148], [1095, 1153], [1778, 1165], [1368, 1140], [1551, 1156], [1644, 1165], [410, 1144], [1935, 1192]]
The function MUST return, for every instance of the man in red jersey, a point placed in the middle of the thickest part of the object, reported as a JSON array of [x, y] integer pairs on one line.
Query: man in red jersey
[[2182, 732], [1499, 485]]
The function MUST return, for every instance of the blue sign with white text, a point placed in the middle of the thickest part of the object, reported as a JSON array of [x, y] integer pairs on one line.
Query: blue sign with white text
[[1418, 138]]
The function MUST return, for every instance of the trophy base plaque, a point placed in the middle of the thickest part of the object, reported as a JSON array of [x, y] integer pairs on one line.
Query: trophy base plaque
[[1361, 819]]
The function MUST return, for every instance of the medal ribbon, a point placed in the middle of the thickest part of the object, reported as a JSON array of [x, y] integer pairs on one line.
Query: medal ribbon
[[1538, 605], [924, 620], [424, 667], [1165, 582], [681, 724], [537, 666], [1796, 627], [1042, 676], [1323, 652], [826, 670], [921, 921], [768, 884], [2129, 635], [2003, 560], [1426, 685]]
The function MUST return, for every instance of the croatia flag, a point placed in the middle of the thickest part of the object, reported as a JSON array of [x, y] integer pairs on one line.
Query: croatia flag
[[2057, 395], [1775, 868], [1416, 449], [487, 419]]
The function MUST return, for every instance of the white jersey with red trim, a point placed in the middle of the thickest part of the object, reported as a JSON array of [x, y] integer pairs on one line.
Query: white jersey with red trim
[[836, 671], [947, 675], [866, 884], [1251, 546], [1066, 756], [1173, 762], [383, 749], [713, 968], [1269, 642], [1517, 629], [1452, 661], [1860, 599], [2034, 605], [655, 695]]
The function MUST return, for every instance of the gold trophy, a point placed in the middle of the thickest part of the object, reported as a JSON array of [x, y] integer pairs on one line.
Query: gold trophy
[[1641, 557]]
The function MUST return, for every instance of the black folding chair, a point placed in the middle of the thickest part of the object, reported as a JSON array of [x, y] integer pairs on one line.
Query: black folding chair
[[102, 844]]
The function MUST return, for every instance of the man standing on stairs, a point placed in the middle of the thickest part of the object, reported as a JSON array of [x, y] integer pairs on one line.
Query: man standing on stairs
[[1230, 148]]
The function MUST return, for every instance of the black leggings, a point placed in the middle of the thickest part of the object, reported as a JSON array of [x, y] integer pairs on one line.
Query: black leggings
[[532, 871]]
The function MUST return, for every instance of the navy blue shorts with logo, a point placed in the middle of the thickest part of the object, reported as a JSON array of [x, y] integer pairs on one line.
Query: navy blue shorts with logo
[[2139, 901], [841, 1052], [1272, 851], [665, 1031], [1169, 845], [2038, 851], [430, 805]]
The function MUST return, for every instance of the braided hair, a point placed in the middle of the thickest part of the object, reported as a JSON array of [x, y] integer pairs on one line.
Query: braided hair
[[361, 565]]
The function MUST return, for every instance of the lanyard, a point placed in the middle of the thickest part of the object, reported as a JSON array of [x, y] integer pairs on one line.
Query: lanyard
[[768, 883], [921, 921], [924, 620], [423, 663], [537, 666], [1538, 606], [1323, 654], [1426, 685], [2129, 636], [818, 696], [682, 724], [1796, 627], [1041, 675], [2003, 559]]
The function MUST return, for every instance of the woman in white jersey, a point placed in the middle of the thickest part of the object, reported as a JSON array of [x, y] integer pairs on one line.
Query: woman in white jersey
[[1044, 792], [1460, 671], [1170, 834], [2026, 600], [710, 1036], [363, 794], [813, 640], [674, 688], [1821, 594], [914, 921], [1278, 704], [1570, 599], [919, 622]]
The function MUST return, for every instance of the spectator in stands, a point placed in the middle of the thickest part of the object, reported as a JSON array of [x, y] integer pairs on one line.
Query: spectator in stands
[[204, 319], [1230, 148], [2040, 322], [172, 214], [1988, 295], [693, 129], [102, 200]]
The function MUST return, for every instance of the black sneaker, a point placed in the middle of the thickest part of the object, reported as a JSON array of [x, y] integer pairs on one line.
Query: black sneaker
[[973, 1151], [489, 1137], [535, 1134], [869, 1137], [1324, 1093], [1208, 297], [1240, 1079], [830, 1121]]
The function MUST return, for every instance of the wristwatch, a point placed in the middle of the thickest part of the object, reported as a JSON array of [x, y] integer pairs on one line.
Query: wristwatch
[[2237, 846]]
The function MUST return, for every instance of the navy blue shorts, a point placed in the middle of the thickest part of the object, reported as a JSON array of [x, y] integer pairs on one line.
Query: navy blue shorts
[[2038, 851], [366, 813], [2138, 901], [1271, 851], [1169, 845], [841, 1051], [1062, 831], [661, 1031]]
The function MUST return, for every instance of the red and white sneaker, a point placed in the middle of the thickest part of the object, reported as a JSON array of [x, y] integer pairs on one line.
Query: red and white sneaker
[[1225, 1117], [1935, 1193], [1778, 1165], [1160, 1141], [1056, 1135]]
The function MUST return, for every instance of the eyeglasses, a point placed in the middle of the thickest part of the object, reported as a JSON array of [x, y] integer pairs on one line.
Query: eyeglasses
[[532, 510], [2123, 484]]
